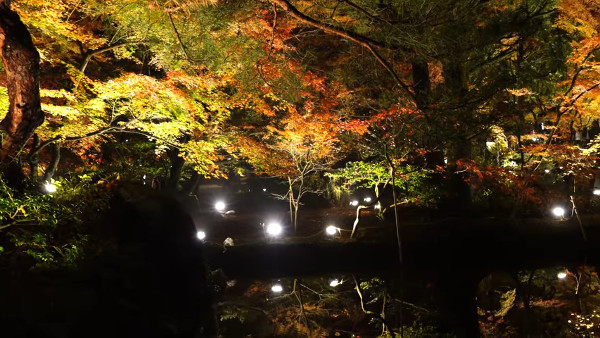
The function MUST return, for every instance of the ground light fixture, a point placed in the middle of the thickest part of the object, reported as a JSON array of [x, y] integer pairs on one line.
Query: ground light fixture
[[331, 230], [274, 229], [201, 235], [220, 206], [558, 212], [50, 187], [334, 282], [277, 288]]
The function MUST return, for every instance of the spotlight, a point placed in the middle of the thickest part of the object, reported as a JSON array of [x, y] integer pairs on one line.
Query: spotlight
[[220, 206], [50, 188], [561, 275], [331, 230], [277, 288], [558, 212], [274, 229], [354, 203], [367, 199], [201, 235], [334, 282], [596, 191]]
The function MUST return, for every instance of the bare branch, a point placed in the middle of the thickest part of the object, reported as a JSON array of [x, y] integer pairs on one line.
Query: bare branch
[[178, 36], [361, 40]]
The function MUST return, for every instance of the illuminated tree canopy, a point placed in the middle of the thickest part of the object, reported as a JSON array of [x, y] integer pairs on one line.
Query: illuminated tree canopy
[[495, 96]]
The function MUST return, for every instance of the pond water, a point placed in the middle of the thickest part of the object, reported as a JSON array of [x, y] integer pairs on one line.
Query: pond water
[[461, 276], [553, 302]]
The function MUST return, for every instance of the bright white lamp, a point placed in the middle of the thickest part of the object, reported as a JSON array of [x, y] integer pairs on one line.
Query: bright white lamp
[[561, 275], [220, 206], [331, 230], [558, 212], [274, 229], [277, 288], [50, 187], [201, 235]]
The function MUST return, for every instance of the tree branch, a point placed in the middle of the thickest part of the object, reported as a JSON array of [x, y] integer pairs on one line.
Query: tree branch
[[361, 40], [187, 57], [90, 54]]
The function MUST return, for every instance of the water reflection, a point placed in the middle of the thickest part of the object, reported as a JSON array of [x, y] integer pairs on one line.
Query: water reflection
[[553, 302], [326, 306]]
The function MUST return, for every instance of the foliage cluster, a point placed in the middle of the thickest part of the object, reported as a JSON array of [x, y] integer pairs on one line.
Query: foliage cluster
[[52, 230]]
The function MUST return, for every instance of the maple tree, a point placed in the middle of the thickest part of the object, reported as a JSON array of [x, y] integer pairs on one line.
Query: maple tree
[[21, 64]]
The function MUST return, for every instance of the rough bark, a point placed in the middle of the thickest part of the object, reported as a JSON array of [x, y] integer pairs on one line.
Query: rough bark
[[22, 65]]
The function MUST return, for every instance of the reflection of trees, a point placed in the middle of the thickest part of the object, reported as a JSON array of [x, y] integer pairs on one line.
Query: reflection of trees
[[542, 302], [309, 307]]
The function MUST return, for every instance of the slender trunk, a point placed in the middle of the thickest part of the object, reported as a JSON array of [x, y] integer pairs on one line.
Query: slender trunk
[[34, 158], [51, 170], [22, 65], [175, 170], [291, 200], [192, 184], [356, 220]]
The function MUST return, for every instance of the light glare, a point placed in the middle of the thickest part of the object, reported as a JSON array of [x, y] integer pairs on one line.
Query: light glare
[[561, 275], [50, 188], [331, 230], [274, 229], [367, 199], [277, 288], [201, 235], [558, 211], [596, 191], [354, 203], [334, 282], [220, 206]]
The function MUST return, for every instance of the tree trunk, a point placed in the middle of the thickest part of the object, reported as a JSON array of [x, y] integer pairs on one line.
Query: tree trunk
[[421, 83], [177, 163], [22, 65], [34, 158], [51, 170]]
